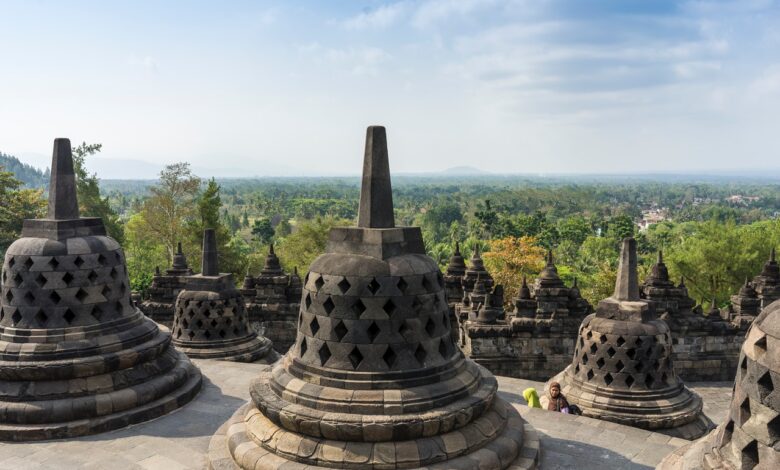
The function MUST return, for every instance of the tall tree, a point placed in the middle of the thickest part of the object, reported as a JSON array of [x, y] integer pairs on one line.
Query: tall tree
[[510, 258], [91, 204], [171, 209], [16, 204]]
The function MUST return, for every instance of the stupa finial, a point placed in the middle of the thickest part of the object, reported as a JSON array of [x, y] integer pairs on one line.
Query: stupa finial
[[178, 248], [457, 249], [772, 254], [660, 256], [627, 283], [209, 267], [376, 193], [63, 203]]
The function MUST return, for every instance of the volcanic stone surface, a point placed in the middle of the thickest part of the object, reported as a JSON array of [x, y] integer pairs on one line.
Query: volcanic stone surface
[[622, 369], [76, 356], [750, 437], [374, 379], [210, 319]]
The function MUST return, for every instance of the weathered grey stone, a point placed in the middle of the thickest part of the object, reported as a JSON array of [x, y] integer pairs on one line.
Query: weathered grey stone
[[376, 193]]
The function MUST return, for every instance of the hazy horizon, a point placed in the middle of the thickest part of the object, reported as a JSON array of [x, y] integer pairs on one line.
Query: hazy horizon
[[287, 88]]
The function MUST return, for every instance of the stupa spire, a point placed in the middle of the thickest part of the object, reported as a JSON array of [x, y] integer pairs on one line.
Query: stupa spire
[[376, 193], [210, 266], [63, 203], [627, 283]]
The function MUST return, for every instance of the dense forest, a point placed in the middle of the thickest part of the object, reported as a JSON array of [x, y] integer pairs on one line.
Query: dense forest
[[714, 234]]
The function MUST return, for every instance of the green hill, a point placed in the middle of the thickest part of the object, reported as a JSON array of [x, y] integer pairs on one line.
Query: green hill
[[31, 177]]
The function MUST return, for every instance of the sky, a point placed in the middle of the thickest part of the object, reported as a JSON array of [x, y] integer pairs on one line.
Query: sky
[[251, 88]]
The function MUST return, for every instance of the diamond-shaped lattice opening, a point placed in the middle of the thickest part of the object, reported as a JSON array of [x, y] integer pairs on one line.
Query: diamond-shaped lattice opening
[[16, 317], [631, 353], [760, 344], [191, 334], [67, 278], [185, 323], [389, 357], [199, 323], [328, 305], [600, 362], [373, 286], [304, 346], [69, 316], [355, 357], [29, 297], [344, 285], [608, 378], [629, 381], [638, 342], [665, 378], [207, 334], [744, 411], [773, 426], [314, 326], [213, 323], [373, 331], [420, 354], [728, 431], [207, 312], [430, 327], [9, 296], [585, 358], [639, 366], [593, 348], [619, 365], [41, 280], [340, 330], [749, 454], [78, 261], [41, 317], [54, 263], [603, 339], [443, 348], [427, 284], [229, 321], [611, 351], [101, 259], [620, 341], [12, 262], [765, 385], [402, 285], [416, 305], [358, 307], [307, 301], [389, 307], [29, 263], [582, 342], [649, 380], [589, 335], [590, 374], [222, 333], [18, 278], [577, 369], [114, 274], [324, 354], [236, 331], [106, 291], [97, 312], [318, 283], [81, 295]]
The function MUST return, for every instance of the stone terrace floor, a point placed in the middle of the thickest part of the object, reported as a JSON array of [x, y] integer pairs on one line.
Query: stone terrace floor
[[180, 440]]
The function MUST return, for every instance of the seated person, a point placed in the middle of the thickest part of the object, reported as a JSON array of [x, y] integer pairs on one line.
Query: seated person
[[532, 398], [557, 400]]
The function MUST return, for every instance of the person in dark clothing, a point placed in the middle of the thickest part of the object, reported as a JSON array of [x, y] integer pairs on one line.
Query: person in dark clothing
[[557, 400]]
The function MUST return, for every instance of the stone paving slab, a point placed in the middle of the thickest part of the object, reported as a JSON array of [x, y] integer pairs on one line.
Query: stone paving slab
[[180, 440]]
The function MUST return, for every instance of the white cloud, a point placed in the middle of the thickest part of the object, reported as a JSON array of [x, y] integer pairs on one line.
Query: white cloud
[[436, 11], [361, 60], [382, 17], [147, 63]]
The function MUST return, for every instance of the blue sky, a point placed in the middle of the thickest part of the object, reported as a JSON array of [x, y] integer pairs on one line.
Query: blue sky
[[288, 87]]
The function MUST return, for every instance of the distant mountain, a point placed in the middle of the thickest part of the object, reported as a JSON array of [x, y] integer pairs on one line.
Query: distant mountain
[[463, 171], [29, 175]]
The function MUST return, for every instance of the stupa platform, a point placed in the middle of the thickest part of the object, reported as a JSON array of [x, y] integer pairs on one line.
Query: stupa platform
[[181, 439]]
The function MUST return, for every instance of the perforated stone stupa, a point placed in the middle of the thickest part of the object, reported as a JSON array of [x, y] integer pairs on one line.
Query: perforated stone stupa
[[374, 380], [211, 321], [165, 288], [750, 436], [622, 369], [76, 357]]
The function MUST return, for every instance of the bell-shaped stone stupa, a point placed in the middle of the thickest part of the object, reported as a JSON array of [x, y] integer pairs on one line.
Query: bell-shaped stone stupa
[[374, 380], [210, 320], [77, 356], [622, 369], [750, 437]]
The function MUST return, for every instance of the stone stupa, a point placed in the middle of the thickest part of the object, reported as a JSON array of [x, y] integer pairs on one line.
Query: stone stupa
[[622, 369], [750, 437], [210, 319], [77, 356], [374, 380]]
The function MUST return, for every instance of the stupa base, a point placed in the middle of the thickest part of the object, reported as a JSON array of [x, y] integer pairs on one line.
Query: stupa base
[[251, 349], [250, 441], [114, 409]]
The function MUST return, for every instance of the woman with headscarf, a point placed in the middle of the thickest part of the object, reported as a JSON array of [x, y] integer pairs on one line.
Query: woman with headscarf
[[557, 400], [532, 398]]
